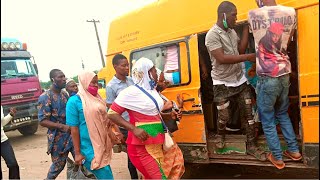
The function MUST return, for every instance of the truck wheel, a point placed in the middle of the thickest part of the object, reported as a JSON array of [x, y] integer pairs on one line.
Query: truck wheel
[[29, 130]]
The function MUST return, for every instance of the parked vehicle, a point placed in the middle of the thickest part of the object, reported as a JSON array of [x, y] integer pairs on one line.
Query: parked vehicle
[[20, 86]]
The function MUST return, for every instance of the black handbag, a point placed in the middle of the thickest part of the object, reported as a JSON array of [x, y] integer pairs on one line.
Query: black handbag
[[171, 123]]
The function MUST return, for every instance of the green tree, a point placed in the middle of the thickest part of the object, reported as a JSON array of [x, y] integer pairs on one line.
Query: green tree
[[45, 85], [75, 78]]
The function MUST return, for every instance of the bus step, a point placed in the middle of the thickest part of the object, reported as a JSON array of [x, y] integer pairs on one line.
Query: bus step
[[290, 164], [236, 145]]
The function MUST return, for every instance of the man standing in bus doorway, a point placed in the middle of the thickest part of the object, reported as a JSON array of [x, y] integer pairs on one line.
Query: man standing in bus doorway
[[52, 114], [273, 69], [227, 55], [119, 82]]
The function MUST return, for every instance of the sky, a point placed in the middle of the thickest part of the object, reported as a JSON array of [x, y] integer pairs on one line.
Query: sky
[[57, 32]]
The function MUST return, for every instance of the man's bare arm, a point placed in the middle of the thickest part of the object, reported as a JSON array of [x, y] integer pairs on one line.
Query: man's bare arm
[[244, 40], [52, 125], [222, 58]]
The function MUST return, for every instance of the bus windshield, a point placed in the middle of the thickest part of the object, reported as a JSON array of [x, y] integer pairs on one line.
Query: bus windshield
[[17, 68]]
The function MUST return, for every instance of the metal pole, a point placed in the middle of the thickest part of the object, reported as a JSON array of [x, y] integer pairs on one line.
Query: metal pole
[[101, 54], [82, 64]]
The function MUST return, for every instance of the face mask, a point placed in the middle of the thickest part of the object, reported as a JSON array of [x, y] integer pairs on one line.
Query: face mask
[[73, 93], [224, 21], [152, 84], [260, 3], [93, 90]]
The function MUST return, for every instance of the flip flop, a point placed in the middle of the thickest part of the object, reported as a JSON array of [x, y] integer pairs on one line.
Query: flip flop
[[272, 160], [286, 153]]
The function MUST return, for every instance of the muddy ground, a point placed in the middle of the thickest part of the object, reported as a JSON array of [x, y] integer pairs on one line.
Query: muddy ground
[[34, 163]]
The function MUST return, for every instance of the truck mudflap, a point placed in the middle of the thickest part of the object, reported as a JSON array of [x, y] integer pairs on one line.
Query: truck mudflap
[[311, 155], [27, 114]]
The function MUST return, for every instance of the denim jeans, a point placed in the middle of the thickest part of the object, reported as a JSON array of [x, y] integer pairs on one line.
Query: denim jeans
[[10, 159], [273, 103]]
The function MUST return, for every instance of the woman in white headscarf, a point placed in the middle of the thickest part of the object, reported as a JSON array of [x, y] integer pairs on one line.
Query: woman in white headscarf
[[145, 130]]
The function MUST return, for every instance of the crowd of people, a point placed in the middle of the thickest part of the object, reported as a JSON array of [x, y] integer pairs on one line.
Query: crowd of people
[[137, 116]]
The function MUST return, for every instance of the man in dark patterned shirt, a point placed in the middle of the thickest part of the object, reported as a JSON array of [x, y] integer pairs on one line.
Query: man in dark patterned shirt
[[52, 114]]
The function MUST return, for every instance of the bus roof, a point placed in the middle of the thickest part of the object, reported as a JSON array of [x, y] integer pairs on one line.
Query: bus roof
[[166, 20]]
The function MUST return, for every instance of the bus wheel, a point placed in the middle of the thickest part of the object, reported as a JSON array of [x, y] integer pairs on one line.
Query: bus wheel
[[29, 130]]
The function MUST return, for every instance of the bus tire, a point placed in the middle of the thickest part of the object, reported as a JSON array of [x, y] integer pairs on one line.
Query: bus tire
[[29, 130]]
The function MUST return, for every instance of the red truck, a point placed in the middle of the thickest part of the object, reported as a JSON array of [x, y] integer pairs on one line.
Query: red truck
[[20, 86]]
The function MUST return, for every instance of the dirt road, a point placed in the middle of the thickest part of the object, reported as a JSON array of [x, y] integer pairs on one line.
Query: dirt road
[[34, 163]]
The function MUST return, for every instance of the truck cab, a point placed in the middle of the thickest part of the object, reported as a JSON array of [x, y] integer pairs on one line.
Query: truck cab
[[20, 86]]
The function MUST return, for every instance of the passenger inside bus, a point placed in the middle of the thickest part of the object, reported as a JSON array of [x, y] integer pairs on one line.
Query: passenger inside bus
[[171, 66]]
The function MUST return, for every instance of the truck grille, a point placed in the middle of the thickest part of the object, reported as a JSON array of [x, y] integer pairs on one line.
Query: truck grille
[[16, 97], [23, 119]]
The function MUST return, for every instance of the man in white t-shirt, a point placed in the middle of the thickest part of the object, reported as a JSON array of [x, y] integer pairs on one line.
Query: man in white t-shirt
[[272, 26]]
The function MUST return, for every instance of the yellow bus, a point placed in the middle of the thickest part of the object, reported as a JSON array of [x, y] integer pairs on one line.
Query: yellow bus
[[101, 79], [150, 30]]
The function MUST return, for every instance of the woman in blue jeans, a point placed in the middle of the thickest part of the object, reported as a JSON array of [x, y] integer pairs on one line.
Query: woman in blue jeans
[[6, 148]]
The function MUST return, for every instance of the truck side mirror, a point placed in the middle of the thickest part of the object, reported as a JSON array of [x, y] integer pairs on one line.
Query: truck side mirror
[[35, 68]]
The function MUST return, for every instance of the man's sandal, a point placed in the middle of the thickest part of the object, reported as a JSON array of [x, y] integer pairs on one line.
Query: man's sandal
[[273, 161], [220, 144], [287, 154], [257, 153]]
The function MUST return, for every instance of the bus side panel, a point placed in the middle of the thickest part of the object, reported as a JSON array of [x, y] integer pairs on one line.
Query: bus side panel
[[192, 127], [191, 130], [308, 57], [191, 135]]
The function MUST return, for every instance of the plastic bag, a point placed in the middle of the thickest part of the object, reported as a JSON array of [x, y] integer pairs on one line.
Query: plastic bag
[[168, 142], [77, 172]]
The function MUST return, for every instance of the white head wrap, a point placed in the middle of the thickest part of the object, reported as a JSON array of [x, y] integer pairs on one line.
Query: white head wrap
[[133, 98], [140, 72]]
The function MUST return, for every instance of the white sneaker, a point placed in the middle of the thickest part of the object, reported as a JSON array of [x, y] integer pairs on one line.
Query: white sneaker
[[229, 129]]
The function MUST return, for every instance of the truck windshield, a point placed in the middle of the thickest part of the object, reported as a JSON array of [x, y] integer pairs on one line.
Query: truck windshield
[[16, 68]]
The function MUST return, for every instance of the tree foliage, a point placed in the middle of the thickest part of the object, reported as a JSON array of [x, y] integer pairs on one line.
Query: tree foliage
[[75, 78], [46, 85]]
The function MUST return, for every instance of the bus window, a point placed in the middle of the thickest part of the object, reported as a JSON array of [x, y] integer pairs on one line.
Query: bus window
[[172, 59]]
